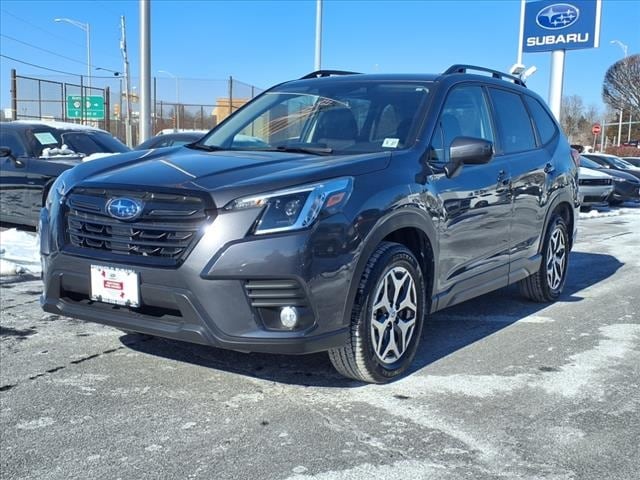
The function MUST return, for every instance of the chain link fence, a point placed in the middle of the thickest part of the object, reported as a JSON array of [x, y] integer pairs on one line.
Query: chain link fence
[[177, 103]]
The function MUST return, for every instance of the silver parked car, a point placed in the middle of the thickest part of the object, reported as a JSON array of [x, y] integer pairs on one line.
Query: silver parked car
[[595, 188]]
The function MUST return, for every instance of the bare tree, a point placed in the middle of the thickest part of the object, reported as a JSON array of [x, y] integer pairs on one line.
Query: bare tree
[[576, 119], [621, 87]]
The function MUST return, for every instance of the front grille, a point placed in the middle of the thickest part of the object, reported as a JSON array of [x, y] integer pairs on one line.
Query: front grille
[[275, 293], [594, 198], [167, 229], [594, 181]]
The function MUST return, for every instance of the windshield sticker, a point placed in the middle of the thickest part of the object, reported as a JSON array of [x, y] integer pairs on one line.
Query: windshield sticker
[[391, 142], [46, 138]]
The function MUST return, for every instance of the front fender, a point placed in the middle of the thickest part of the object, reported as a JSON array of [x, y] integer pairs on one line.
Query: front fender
[[406, 217]]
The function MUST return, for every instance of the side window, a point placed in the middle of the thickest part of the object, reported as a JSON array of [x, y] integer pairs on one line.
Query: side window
[[513, 121], [464, 114], [544, 123], [10, 139]]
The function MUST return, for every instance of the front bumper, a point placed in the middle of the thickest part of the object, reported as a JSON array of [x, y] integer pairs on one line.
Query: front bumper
[[207, 299], [595, 195], [625, 191]]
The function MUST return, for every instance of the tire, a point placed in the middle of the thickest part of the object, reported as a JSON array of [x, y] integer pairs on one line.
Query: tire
[[379, 350], [547, 283]]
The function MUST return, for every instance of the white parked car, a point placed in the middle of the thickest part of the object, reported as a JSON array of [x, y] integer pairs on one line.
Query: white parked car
[[594, 187]]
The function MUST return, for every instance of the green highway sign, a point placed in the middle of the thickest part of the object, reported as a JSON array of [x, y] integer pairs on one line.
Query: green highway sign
[[93, 107]]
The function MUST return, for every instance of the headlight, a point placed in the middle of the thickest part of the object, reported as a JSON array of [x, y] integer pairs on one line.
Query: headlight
[[296, 208], [618, 179], [57, 190]]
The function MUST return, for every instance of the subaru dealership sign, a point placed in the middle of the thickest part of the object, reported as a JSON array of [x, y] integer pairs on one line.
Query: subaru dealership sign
[[551, 25]]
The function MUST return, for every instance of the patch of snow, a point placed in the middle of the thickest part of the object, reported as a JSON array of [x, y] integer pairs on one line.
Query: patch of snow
[[61, 125], [628, 208], [97, 155], [19, 252]]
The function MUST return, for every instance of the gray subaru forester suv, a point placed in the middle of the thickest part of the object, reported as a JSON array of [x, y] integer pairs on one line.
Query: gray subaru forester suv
[[331, 213]]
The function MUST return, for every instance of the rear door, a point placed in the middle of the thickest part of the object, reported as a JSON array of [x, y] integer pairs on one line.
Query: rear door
[[530, 163], [474, 230]]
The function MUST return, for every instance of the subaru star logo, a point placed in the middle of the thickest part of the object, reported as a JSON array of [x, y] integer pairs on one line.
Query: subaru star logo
[[557, 16], [124, 208]]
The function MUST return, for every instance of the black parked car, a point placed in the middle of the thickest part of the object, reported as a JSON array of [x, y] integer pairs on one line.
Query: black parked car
[[614, 163], [33, 154], [635, 161], [374, 201], [626, 187]]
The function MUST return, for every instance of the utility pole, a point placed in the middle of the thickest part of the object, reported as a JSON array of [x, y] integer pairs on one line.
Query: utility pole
[[127, 83], [145, 70]]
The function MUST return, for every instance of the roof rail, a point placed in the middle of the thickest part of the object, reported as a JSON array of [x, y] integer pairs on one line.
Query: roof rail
[[494, 73], [327, 73]]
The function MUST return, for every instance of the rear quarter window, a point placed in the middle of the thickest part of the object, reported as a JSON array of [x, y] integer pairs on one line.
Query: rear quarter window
[[545, 125], [514, 124]]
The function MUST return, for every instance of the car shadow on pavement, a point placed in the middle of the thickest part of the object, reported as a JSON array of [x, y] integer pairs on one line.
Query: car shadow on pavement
[[444, 333]]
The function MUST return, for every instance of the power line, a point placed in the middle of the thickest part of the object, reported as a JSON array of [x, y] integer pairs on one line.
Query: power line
[[110, 77], [42, 49], [38, 66], [39, 28]]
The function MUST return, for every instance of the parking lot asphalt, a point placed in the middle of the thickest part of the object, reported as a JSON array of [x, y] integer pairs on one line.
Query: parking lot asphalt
[[501, 389]]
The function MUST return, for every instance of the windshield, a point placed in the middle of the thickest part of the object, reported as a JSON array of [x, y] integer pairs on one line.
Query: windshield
[[326, 117], [619, 163], [587, 162], [49, 142], [93, 142]]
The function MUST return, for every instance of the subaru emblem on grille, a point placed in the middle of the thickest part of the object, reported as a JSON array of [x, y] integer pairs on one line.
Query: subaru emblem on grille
[[124, 208]]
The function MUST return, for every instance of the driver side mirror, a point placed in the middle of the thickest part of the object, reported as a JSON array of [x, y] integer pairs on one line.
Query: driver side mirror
[[5, 152], [469, 151]]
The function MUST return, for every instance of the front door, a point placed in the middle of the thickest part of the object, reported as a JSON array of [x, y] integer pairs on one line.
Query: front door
[[476, 204]]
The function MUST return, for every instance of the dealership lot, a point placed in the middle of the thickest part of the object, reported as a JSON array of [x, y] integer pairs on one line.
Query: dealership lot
[[501, 388]]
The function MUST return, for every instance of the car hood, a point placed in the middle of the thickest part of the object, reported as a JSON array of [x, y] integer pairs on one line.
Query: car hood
[[591, 173], [226, 175], [620, 174]]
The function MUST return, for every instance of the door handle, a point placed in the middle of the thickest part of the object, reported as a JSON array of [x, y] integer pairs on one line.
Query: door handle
[[503, 181], [503, 178], [549, 168]]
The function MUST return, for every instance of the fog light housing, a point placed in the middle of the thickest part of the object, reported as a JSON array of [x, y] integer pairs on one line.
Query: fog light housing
[[289, 317]]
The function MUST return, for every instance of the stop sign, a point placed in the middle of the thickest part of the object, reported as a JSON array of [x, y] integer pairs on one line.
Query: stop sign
[[595, 129]]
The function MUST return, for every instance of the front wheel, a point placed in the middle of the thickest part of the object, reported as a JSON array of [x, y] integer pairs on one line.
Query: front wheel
[[547, 283], [386, 319]]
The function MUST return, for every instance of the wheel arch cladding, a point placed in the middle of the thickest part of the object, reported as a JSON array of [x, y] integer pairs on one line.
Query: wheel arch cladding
[[420, 245], [410, 229], [564, 210]]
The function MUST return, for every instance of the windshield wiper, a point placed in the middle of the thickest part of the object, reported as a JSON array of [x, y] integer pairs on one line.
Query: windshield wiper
[[291, 149], [206, 148]]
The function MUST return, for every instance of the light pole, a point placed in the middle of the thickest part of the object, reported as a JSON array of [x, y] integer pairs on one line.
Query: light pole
[[318, 52], [177, 110], [86, 28], [625, 50]]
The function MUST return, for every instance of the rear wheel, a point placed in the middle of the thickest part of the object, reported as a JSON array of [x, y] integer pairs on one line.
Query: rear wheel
[[386, 319], [547, 283]]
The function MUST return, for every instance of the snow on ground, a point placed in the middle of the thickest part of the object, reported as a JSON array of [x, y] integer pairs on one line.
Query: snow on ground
[[19, 253], [598, 212]]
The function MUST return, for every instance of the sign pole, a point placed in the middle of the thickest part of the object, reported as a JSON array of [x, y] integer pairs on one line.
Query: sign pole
[[555, 84], [521, 34]]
